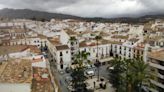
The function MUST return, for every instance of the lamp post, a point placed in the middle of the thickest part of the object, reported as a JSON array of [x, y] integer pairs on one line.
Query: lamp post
[[97, 63]]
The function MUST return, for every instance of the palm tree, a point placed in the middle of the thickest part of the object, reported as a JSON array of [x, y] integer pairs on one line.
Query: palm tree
[[131, 74], [97, 63], [78, 73], [81, 57], [72, 40], [141, 73], [128, 75], [115, 74]]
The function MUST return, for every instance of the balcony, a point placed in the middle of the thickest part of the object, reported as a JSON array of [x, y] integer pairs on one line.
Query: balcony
[[156, 66], [161, 71], [157, 83], [161, 80], [161, 63], [160, 76]]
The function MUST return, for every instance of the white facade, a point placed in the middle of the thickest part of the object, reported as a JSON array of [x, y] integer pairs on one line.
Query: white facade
[[63, 57]]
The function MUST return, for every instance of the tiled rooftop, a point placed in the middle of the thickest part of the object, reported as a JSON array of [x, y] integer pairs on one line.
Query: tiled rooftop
[[12, 49], [19, 48], [54, 41], [70, 32], [100, 42], [62, 47], [120, 37], [159, 55]]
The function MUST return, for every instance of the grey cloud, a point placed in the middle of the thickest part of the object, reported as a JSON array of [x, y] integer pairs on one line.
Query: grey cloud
[[91, 8]]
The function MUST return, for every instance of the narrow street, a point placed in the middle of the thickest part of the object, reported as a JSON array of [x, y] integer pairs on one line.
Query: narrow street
[[59, 77]]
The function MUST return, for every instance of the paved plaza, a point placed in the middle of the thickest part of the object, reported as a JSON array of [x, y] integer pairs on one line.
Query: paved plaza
[[90, 85]]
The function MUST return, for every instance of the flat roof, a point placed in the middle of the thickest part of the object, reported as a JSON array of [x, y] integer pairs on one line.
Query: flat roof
[[42, 81], [16, 71]]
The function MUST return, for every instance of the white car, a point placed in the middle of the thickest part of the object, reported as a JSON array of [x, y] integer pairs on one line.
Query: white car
[[90, 72]]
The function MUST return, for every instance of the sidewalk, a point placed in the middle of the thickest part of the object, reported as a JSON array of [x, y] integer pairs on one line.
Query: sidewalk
[[97, 88]]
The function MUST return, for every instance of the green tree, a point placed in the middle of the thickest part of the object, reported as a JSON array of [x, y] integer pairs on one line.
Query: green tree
[[115, 74], [141, 73], [130, 75], [78, 73]]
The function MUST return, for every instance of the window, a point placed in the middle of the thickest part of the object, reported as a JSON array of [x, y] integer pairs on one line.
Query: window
[[93, 50], [72, 43], [142, 52], [85, 49], [125, 54], [34, 41], [61, 66], [61, 54], [67, 52], [161, 71], [137, 52], [61, 60]]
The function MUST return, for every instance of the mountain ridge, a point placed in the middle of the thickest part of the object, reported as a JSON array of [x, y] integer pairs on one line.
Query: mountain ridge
[[28, 14], [39, 15]]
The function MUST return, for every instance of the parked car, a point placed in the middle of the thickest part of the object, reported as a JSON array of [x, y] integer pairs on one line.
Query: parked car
[[68, 70], [110, 68], [90, 73], [61, 72]]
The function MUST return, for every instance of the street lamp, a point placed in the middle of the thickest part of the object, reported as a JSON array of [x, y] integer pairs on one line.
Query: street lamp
[[97, 63]]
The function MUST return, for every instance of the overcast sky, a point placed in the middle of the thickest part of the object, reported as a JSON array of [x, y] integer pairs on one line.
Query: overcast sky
[[90, 8]]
